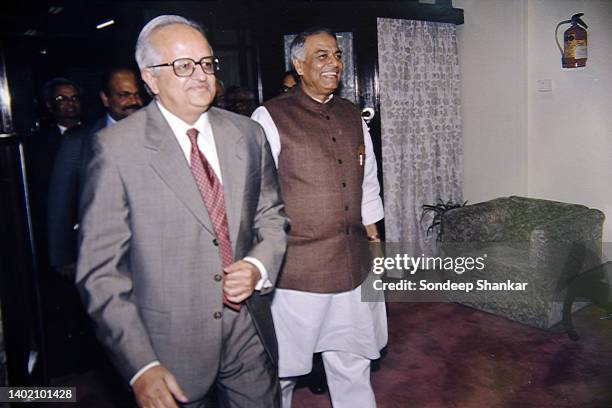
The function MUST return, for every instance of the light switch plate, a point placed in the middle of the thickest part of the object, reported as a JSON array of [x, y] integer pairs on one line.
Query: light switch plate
[[544, 85]]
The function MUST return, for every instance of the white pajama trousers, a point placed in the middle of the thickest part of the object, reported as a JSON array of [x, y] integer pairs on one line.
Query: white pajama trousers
[[347, 331], [348, 379]]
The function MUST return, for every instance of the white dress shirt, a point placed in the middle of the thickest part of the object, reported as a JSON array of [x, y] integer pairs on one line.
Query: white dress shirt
[[110, 120], [206, 141], [62, 129]]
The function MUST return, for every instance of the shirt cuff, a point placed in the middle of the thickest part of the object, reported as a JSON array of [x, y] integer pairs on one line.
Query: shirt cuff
[[142, 370], [264, 282]]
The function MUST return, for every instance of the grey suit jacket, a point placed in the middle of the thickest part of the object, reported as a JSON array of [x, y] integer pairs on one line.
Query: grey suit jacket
[[147, 260]]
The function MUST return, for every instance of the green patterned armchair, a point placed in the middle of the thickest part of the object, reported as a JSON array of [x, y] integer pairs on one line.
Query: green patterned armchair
[[541, 242]]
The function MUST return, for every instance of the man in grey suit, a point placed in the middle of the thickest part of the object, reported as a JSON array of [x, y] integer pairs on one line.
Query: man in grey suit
[[182, 236]]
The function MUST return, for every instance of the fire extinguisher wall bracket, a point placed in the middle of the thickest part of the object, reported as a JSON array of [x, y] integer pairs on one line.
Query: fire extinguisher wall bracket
[[574, 51]]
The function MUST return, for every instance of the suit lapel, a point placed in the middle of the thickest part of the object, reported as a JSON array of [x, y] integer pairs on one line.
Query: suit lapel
[[168, 161], [230, 149]]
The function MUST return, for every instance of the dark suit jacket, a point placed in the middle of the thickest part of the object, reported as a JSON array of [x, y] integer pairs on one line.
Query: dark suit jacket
[[65, 186], [148, 258], [40, 150]]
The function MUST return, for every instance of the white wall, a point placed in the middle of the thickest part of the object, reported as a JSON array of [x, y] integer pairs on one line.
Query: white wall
[[555, 145], [570, 128], [493, 75]]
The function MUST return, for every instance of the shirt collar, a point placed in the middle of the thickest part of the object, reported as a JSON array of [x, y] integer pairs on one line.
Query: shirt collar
[[325, 101], [178, 125], [313, 103], [63, 129], [300, 87], [110, 120]]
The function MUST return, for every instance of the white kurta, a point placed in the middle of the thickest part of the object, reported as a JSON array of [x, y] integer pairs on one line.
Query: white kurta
[[307, 322]]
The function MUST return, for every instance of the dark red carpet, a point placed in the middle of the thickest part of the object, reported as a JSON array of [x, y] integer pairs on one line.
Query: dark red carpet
[[447, 355]]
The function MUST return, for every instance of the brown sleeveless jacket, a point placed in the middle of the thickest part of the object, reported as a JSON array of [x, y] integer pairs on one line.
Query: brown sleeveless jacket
[[321, 181]]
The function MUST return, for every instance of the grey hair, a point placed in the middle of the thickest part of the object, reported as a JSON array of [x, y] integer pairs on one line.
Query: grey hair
[[296, 50], [145, 52]]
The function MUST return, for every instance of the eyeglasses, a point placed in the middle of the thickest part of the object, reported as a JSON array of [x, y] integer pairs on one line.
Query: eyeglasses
[[64, 98], [185, 67]]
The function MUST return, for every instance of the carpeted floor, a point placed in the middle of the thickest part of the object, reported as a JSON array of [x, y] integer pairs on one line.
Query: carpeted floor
[[447, 355]]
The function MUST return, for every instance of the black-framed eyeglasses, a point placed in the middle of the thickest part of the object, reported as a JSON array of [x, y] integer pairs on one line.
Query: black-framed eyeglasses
[[185, 67], [65, 98]]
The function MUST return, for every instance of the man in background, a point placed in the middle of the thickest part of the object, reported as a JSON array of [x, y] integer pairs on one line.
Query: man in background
[[63, 100], [327, 174], [290, 79], [120, 94]]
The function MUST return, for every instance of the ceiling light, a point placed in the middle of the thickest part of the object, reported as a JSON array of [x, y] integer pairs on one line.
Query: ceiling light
[[55, 10], [105, 24]]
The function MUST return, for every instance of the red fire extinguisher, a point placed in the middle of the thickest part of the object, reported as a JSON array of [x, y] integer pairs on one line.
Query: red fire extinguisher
[[574, 51]]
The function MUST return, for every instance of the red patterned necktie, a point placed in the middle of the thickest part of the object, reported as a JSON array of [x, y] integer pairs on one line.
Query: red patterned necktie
[[212, 193]]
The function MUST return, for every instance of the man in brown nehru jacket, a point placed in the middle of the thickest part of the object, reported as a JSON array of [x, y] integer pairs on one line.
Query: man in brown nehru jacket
[[327, 175]]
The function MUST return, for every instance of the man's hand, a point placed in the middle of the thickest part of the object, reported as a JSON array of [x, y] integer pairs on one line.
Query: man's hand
[[157, 388], [240, 280]]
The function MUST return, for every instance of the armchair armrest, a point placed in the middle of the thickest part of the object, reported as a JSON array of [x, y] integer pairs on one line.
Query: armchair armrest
[[568, 245]]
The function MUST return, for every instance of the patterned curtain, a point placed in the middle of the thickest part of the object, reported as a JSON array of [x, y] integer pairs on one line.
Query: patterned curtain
[[421, 123]]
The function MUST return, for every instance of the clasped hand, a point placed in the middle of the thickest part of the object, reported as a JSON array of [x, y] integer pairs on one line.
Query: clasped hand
[[240, 280]]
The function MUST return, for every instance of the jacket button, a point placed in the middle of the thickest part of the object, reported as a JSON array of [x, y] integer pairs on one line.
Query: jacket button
[[339, 161], [218, 278], [343, 184], [217, 315], [346, 208], [334, 139], [327, 117], [215, 242]]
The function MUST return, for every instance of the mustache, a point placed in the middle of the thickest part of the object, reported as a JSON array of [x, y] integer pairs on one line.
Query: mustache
[[132, 106]]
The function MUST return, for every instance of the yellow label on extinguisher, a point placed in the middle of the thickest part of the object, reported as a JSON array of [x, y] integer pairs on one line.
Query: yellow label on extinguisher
[[581, 49], [576, 49]]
